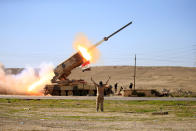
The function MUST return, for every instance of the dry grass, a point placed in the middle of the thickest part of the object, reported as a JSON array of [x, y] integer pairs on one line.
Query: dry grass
[[74, 115]]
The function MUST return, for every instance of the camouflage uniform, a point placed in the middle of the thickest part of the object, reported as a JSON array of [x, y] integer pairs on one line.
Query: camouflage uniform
[[100, 93], [100, 97]]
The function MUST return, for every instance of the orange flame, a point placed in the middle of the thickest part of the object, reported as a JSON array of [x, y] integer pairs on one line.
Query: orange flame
[[82, 44], [87, 56]]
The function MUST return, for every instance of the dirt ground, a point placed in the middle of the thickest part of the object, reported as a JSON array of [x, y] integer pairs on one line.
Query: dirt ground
[[159, 78], [80, 115]]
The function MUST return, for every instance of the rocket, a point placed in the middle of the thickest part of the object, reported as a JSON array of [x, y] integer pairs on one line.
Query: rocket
[[106, 38]]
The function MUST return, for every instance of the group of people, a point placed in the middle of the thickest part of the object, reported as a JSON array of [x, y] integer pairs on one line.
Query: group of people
[[100, 91], [121, 88]]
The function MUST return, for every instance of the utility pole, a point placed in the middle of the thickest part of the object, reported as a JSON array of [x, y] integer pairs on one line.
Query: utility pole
[[134, 73]]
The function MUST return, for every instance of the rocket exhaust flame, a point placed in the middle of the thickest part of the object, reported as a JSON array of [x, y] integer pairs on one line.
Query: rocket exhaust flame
[[88, 51], [97, 44], [86, 55]]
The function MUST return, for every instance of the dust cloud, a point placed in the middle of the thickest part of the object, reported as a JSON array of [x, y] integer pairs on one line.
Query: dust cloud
[[20, 83]]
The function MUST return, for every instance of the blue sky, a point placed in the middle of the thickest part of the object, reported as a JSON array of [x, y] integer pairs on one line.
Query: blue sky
[[163, 32]]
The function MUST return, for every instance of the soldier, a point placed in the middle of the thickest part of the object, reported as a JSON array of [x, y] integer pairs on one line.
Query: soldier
[[121, 88], [131, 85], [100, 93], [115, 87], [110, 90]]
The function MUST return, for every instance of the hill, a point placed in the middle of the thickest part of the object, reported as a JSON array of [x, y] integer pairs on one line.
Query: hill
[[171, 78]]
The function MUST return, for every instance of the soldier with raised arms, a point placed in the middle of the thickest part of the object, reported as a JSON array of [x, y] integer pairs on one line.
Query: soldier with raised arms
[[100, 93]]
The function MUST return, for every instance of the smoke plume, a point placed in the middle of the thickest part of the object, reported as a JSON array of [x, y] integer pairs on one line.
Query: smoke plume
[[20, 83]]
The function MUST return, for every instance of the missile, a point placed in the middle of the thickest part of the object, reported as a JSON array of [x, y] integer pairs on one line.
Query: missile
[[106, 38]]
